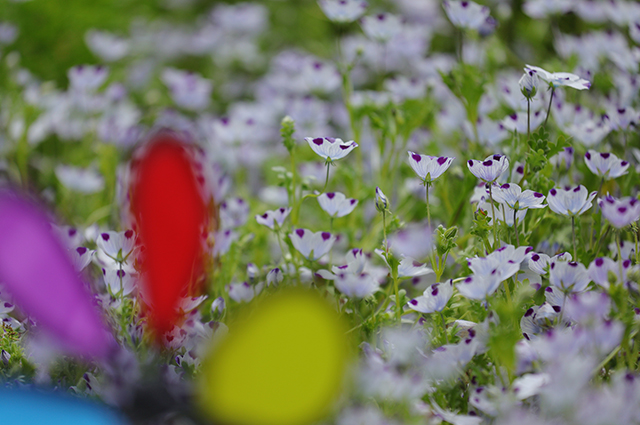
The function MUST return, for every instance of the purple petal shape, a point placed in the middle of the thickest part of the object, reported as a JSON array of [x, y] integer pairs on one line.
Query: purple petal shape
[[37, 272]]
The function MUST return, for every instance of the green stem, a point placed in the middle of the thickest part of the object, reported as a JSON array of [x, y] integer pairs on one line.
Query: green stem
[[395, 289], [494, 218], [426, 185], [326, 180], [553, 90], [573, 234], [528, 119], [444, 328], [515, 226]]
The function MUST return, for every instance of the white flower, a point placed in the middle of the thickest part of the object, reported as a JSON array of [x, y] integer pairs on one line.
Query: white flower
[[329, 148], [382, 27], [119, 281], [605, 164], [336, 204], [106, 45], [115, 248], [434, 298], [490, 169], [84, 180], [560, 79], [81, 257], [601, 267], [568, 276], [570, 201], [512, 195], [274, 277], [413, 241], [188, 90], [87, 77], [490, 271], [273, 218], [343, 11], [466, 14], [356, 285], [243, 292], [312, 245], [620, 212], [234, 213], [429, 168]]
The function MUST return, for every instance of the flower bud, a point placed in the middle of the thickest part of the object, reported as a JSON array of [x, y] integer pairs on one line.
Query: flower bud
[[382, 203], [529, 83]]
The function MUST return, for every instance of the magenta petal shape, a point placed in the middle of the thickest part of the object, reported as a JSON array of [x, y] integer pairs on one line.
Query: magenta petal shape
[[37, 271]]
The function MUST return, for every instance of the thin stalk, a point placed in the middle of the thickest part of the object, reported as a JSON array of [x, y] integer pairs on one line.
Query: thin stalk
[[494, 218], [529, 118], [515, 226], [395, 288], [444, 328], [573, 234], [427, 185], [326, 180], [384, 231], [553, 90]]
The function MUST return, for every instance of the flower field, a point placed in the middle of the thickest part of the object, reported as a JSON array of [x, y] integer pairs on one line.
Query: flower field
[[320, 212]]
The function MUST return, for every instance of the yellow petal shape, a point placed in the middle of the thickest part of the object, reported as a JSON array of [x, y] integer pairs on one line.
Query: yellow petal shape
[[284, 364]]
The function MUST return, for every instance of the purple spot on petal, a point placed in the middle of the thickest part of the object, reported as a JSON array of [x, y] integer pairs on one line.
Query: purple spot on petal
[[300, 232], [331, 195], [442, 160], [416, 157], [81, 250], [105, 236], [326, 235], [318, 141]]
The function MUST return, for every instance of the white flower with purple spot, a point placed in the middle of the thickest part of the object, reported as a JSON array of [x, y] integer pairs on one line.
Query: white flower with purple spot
[[87, 77], [119, 282], [312, 245], [356, 285], [600, 269], [273, 219], [466, 14], [503, 212], [605, 164], [512, 195], [243, 292], [81, 257], [329, 148], [336, 204], [188, 90], [490, 271], [413, 241], [568, 276], [223, 239], [274, 277], [429, 168], [381, 27], [560, 79], [408, 266], [343, 11], [570, 201], [539, 262], [490, 169], [115, 248], [620, 212], [217, 307], [234, 213], [434, 298]]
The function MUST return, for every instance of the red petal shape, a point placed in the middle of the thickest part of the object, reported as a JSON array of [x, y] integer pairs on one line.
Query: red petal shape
[[171, 213]]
